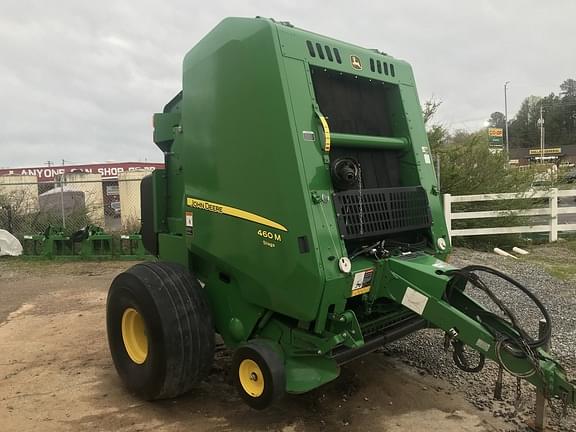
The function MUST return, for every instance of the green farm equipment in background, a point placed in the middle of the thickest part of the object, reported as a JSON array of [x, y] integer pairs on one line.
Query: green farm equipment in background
[[90, 242], [51, 243], [33, 245], [130, 246], [298, 217]]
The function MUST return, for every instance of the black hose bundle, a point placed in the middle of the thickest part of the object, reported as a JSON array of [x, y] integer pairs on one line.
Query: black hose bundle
[[518, 343]]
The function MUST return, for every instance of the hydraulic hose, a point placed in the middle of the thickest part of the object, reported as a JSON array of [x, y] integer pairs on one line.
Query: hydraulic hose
[[467, 273], [520, 344]]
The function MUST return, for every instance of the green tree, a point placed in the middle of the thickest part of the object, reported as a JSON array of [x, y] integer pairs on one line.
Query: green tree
[[467, 166], [559, 112], [437, 133], [437, 136], [568, 106], [497, 120], [524, 128], [568, 88], [430, 108]]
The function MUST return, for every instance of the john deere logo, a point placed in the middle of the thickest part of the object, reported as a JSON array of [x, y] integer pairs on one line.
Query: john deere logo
[[356, 63]]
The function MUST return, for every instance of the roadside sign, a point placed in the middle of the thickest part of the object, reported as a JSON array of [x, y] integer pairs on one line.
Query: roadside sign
[[495, 135], [550, 150]]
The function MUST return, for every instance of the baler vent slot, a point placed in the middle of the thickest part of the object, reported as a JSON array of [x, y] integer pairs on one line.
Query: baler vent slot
[[380, 66], [380, 211], [328, 53], [316, 48], [319, 49], [310, 48], [337, 55]]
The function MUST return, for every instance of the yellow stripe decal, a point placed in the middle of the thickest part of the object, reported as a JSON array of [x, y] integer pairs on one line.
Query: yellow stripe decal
[[326, 133], [231, 211], [360, 291]]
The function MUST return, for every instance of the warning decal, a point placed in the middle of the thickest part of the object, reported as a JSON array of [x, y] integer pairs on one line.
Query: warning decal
[[414, 300], [189, 222], [426, 153], [362, 282]]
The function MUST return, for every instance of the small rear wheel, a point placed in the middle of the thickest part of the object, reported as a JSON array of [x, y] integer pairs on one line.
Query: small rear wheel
[[258, 372], [160, 330]]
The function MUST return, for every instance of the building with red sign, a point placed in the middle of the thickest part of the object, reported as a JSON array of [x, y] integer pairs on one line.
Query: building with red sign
[[108, 170], [90, 186]]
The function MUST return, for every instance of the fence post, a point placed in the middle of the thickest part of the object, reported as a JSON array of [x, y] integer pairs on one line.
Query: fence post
[[553, 236], [448, 214]]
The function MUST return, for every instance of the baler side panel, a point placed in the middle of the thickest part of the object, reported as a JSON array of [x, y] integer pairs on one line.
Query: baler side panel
[[423, 158], [239, 152]]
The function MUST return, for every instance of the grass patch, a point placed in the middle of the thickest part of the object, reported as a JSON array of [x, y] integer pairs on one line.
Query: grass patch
[[558, 259], [562, 272]]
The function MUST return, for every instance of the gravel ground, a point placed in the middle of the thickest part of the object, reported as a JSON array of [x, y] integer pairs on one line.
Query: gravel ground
[[424, 350]]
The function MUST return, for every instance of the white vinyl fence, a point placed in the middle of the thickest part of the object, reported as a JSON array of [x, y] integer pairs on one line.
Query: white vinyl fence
[[559, 202]]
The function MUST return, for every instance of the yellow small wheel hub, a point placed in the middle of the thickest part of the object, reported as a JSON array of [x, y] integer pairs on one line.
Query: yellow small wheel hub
[[134, 335], [251, 378]]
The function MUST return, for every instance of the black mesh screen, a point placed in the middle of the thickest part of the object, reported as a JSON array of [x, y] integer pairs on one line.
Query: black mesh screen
[[374, 212], [352, 105]]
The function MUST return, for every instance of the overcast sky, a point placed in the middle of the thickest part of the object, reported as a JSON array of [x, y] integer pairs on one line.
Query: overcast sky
[[79, 80]]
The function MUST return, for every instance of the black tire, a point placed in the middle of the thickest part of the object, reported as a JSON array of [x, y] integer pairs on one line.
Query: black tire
[[270, 374], [177, 327]]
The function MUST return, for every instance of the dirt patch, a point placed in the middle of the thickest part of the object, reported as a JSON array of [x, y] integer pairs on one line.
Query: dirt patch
[[56, 375]]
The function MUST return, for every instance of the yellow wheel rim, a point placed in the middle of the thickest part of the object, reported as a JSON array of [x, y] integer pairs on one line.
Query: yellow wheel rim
[[251, 377], [134, 335]]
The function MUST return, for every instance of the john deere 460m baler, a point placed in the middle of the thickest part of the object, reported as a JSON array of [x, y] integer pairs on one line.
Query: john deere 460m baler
[[298, 216]]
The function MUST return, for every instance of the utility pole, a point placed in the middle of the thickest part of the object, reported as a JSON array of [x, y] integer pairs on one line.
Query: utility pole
[[62, 207], [541, 124], [506, 117]]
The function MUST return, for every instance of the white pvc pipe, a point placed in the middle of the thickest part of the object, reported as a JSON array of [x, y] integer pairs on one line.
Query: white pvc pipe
[[520, 251], [504, 253]]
